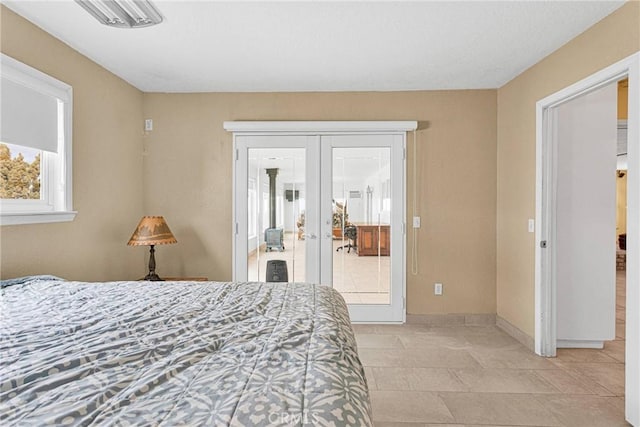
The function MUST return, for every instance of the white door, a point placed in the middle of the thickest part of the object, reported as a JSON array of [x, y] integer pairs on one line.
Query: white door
[[277, 187], [362, 229], [586, 219], [338, 202]]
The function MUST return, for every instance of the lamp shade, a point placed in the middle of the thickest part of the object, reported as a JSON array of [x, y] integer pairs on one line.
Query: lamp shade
[[152, 230]]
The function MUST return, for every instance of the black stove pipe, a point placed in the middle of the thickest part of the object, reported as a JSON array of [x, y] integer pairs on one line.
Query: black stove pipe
[[272, 196]]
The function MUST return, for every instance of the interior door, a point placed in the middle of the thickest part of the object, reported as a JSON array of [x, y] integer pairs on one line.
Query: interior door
[[586, 219], [276, 207], [362, 223]]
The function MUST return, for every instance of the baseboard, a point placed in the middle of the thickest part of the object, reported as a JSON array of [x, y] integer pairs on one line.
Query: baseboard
[[579, 344], [453, 319], [516, 333]]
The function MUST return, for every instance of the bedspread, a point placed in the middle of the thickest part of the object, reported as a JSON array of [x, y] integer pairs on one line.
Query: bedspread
[[178, 353]]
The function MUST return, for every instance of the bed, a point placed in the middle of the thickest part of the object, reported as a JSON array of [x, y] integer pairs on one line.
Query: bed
[[178, 353]]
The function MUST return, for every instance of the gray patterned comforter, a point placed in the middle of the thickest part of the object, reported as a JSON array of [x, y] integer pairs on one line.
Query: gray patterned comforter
[[178, 353]]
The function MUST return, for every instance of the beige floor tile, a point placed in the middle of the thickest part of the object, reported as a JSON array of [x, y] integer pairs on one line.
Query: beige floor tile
[[418, 379], [396, 424], [467, 331], [375, 298], [615, 350], [423, 358], [406, 329], [516, 357], [378, 341], [504, 381], [579, 411], [489, 425], [409, 406], [583, 355], [498, 341], [371, 381], [498, 408], [434, 340], [572, 383], [621, 331], [608, 375], [488, 360], [351, 298]]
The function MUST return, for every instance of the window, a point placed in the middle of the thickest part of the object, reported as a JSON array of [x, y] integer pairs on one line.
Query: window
[[35, 146]]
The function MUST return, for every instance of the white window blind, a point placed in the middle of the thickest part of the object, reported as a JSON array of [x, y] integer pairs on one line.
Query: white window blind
[[29, 113]]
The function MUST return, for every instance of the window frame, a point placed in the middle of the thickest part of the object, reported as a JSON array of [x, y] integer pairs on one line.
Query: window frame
[[56, 174]]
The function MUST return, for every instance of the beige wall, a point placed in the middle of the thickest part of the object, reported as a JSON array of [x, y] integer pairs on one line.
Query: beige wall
[[188, 179], [610, 40], [621, 181], [621, 204], [623, 99], [107, 169]]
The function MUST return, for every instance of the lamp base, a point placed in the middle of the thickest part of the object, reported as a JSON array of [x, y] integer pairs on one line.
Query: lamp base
[[152, 276]]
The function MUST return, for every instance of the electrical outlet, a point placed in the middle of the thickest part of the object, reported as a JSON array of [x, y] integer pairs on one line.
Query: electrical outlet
[[437, 289], [416, 222]]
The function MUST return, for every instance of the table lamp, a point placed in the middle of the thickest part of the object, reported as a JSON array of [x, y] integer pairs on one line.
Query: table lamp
[[151, 231]]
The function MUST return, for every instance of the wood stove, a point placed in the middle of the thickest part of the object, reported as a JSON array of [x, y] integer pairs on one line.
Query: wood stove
[[273, 237]]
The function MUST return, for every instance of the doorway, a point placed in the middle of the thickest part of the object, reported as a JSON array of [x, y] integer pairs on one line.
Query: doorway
[[548, 237], [327, 205]]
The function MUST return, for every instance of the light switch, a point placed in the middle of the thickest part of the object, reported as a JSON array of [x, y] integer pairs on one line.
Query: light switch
[[416, 222], [531, 225]]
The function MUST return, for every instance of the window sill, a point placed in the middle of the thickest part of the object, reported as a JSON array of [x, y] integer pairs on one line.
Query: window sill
[[36, 217]]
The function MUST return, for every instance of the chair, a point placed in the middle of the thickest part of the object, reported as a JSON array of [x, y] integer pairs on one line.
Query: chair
[[351, 233]]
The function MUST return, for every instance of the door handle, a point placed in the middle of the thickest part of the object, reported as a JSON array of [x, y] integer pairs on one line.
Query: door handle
[[328, 236]]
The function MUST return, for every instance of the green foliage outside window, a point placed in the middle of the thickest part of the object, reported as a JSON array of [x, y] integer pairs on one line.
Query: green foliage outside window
[[18, 178]]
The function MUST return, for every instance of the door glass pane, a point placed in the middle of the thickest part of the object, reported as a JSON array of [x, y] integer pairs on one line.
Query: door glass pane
[[276, 207], [361, 224]]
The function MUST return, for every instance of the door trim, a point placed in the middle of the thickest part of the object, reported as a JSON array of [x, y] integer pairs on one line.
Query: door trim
[[319, 127], [545, 280]]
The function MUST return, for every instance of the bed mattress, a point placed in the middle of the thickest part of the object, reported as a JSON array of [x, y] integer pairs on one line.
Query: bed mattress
[[178, 353]]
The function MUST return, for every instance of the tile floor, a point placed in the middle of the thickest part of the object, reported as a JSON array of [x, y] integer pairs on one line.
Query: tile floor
[[359, 279], [423, 375]]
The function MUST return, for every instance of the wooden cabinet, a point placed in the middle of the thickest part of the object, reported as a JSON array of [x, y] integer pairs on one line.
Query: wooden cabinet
[[372, 237]]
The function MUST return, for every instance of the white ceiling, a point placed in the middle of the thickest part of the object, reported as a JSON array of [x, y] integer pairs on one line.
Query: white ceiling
[[268, 46]]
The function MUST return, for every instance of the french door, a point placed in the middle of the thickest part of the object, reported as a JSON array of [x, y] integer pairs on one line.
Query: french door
[[330, 208], [362, 205]]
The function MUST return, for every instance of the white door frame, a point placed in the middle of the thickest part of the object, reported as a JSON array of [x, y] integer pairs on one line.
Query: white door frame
[[545, 280]]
